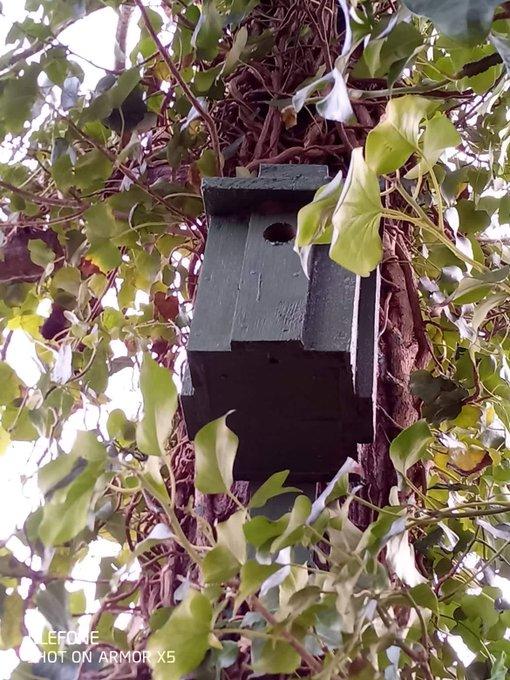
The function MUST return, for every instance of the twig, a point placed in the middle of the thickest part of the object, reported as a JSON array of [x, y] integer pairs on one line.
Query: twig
[[125, 13], [207, 118], [310, 660]]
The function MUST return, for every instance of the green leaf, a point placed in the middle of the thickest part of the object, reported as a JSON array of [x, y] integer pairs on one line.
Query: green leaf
[[410, 446], [152, 480], [186, 634], [439, 134], [73, 481], [120, 428], [356, 243], [208, 31], [424, 596], [40, 253], [5, 440], [295, 525], [100, 224], [159, 405], [219, 565], [253, 574], [215, 451], [500, 667], [77, 602], [259, 530], [388, 56], [271, 488], [485, 307], [467, 21], [92, 169], [123, 87], [234, 54], [471, 290], [390, 144], [314, 223], [231, 535], [105, 255], [11, 388], [11, 631], [274, 657], [18, 98], [52, 602], [471, 220]]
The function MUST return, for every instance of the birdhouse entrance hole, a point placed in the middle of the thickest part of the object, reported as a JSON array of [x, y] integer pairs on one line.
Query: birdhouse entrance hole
[[279, 232]]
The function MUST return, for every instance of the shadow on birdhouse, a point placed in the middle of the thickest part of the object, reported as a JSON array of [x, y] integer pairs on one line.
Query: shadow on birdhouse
[[293, 356]]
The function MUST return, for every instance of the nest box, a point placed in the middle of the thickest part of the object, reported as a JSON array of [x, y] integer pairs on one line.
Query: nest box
[[293, 355]]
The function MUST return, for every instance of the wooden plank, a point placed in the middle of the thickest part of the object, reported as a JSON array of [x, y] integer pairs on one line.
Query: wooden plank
[[218, 284], [273, 287]]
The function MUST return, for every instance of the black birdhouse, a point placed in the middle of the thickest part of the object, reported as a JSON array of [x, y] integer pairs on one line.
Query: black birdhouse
[[293, 355]]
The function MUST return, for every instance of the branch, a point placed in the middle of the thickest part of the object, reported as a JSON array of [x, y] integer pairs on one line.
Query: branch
[[39, 200], [474, 68], [207, 118], [125, 13], [310, 660]]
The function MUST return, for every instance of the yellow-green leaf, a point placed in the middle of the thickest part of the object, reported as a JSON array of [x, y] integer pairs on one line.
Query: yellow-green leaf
[[356, 243], [215, 450], [159, 405], [390, 144], [186, 634]]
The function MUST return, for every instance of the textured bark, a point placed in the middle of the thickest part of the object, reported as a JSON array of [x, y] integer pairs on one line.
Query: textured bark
[[402, 349]]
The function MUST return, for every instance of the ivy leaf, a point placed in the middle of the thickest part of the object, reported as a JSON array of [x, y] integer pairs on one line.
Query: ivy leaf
[[471, 290], [11, 387], [336, 105], [253, 574], [40, 253], [467, 21], [439, 134], [208, 31], [159, 405], [443, 398], [235, 51], [186, 634], [11, 625], [215, 451], [356, 243], [295, 525], [390, 144], [219, 565], [314, 219], [53, 605], [271, 488], [72, 484], [410, 446], [274, 657]]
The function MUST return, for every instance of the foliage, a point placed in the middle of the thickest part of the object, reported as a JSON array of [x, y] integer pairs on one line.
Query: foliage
[[408, 103]]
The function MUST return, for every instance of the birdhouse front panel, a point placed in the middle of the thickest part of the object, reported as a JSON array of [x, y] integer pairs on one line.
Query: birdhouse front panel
[[287, 351]]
